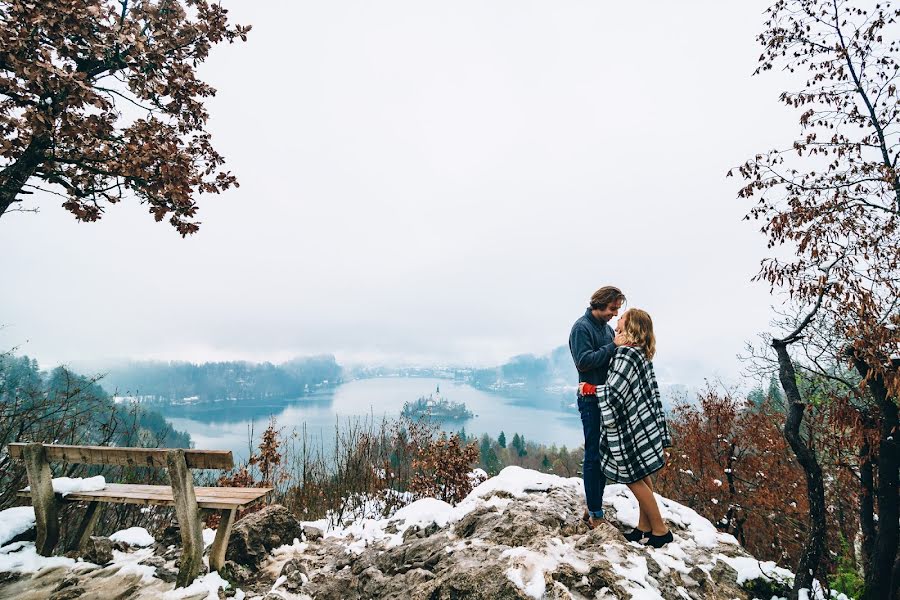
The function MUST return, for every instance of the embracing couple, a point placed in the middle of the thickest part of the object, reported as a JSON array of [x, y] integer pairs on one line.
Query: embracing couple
[[625, 431]]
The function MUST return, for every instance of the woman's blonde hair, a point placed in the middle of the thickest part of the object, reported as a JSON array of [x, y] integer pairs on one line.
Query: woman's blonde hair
[[638, 329]]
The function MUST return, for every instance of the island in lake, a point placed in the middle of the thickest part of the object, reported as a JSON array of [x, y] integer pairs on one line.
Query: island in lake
[[435, 406]]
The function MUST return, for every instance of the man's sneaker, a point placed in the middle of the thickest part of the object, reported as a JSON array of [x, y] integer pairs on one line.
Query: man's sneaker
[[658, 541], [636, 535]]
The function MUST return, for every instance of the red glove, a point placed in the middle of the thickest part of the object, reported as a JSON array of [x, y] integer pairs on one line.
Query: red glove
[[588, 389]]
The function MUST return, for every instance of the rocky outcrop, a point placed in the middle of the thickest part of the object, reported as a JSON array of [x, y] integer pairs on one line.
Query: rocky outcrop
[[98, 550], [255, 535], [519, 535], [528, 543]]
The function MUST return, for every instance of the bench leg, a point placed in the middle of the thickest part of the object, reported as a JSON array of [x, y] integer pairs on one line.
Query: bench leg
[[188, 518], [46, 515], [220, 544], [86, 527]]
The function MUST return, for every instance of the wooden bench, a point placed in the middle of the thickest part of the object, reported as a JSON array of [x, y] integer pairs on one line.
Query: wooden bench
[[187, 500]]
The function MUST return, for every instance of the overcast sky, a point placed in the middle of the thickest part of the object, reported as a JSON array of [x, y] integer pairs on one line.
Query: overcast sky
[[435, 182]]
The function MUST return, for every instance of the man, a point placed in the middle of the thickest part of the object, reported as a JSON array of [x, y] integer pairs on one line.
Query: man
[[592, 343]]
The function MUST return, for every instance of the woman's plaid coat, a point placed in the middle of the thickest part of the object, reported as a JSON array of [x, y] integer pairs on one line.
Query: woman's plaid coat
[[635, 431]]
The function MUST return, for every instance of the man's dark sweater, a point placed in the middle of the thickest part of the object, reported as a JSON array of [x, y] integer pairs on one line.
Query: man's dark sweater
[[592, 348]]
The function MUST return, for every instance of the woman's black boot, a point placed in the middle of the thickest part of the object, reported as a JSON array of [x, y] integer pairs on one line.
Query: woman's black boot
[[636, 535], [658, 541]]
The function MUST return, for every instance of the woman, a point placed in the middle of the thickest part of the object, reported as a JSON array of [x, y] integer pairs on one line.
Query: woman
[[635, 427]]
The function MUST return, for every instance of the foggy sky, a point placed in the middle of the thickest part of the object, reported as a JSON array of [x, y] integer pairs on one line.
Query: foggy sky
[[435, 182]]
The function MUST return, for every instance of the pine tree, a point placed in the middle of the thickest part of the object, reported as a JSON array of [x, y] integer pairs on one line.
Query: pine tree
[[756, 398], [775, 394], [518, 443], [502, 440], [490, 462]]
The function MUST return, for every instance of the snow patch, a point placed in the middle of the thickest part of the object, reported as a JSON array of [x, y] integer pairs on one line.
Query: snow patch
[[133, 536], [749, 568], [128, 563], [71, 485], [209, 583], [22, 557], [529, 567], [209, 536], [14, 521], [517, 481]]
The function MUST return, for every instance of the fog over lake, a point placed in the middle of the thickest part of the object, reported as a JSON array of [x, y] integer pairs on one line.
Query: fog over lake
[[226, 424]]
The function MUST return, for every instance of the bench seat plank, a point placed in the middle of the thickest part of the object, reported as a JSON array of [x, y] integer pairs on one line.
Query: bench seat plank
[[207, 497]]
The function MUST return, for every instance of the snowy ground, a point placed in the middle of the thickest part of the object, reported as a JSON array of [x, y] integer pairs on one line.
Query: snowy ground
[[527, 567]]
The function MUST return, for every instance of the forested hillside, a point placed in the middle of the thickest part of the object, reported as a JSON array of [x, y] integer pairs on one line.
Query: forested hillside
[[177, 381], [62, 407]]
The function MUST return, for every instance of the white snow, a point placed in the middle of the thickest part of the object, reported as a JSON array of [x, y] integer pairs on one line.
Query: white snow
[[14, 521], [71, 485], [209, 583], [518, 481], [133, 536], [513, 480], [22, 557], [128, 563], [528, 566], [749, 568], [281, 579], [209, 536], [634, 572], [424, 512], [297, 547], [671, 556], [704, 533]]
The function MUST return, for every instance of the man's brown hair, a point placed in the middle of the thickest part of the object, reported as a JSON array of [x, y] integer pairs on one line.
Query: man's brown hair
[[606, 296]]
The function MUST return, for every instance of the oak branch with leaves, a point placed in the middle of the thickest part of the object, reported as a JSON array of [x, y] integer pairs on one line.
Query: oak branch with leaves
[[100, 100]]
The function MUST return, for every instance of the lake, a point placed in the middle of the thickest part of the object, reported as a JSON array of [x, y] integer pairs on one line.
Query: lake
[[227, 424]]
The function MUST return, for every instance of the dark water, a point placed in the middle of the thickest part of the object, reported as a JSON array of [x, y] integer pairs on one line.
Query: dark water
[[227, 424]]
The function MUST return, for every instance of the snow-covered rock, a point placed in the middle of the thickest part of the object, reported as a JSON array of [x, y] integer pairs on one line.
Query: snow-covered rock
[[15, 521], [518, 535], [133, 536]]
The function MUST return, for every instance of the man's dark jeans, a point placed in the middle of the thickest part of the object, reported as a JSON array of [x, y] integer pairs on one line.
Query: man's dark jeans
[[594, 480]]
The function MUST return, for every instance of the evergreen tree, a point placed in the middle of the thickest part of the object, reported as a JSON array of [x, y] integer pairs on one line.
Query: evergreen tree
[[518, 443], [490, 462], [775, 394], [755, 398], [545, 464], [502, 440]]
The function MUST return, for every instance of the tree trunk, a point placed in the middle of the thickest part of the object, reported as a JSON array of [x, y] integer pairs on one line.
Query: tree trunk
[[881, 581], [814, 547], [896, 577], [14, 176], [866, 509]]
